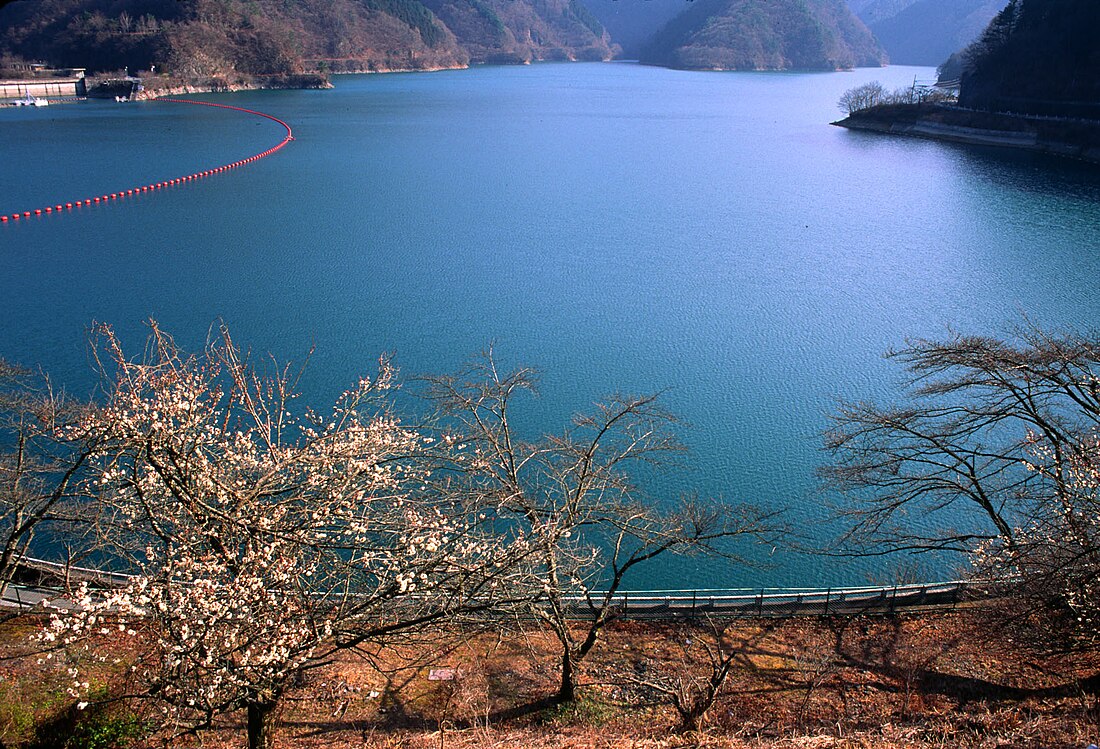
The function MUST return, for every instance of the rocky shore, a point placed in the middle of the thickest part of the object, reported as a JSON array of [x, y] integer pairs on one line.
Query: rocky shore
[[157, 87]]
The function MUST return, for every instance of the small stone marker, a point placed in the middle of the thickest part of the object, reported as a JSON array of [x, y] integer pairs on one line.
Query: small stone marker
[[444, 674]]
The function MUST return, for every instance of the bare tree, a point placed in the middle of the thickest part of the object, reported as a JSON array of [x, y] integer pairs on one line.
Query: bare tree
[[708, 655], [261, 538], [995, 451], [962, 447], [862, 97], [814, 664], [574, 496], [41, 464]]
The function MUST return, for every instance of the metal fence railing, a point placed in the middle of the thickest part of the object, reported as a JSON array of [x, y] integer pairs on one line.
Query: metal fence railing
[[632, 604], [72, 573], [775, 602]]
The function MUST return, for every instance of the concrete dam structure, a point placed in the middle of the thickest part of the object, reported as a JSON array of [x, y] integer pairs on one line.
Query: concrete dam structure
[[45, 86]]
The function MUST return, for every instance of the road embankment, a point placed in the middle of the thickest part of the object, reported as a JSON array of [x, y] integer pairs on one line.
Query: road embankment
[[1078, 139]]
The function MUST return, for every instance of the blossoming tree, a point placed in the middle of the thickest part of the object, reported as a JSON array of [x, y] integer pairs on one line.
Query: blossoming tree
[[262, 537], [1054, 554]]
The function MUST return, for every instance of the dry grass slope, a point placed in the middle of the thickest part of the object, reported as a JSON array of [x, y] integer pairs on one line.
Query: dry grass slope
[[947, 680]]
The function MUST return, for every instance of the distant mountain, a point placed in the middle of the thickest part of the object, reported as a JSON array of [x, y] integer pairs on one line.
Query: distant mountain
[[873, 11], [195, 39], [764, 35], [1037, 57], [925, 32], [631, 23]]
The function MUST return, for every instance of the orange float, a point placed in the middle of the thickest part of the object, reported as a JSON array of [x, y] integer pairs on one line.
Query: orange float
[[178, 180]]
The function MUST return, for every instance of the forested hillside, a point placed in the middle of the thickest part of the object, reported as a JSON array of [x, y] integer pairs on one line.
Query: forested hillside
[[1039, 57], [508, 31], [227, 38], [764, 35]]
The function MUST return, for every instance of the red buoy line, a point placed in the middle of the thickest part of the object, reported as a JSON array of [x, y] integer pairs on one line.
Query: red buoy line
[[68, 206]]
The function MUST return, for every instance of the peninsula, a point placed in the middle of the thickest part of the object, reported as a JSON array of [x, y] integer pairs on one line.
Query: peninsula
[[1031, 81]]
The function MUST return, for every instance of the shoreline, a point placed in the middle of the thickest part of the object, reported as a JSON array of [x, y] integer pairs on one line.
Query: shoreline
[[324, 80], [303, 82], [1075, 139], [314, 81]]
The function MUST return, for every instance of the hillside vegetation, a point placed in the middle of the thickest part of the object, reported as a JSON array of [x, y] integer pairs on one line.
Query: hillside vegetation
[[508, 31], [228, 38], [1037, 57], [764, 35], [232, 40]]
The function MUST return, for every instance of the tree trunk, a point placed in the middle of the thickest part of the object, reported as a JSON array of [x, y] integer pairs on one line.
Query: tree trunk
[[261, 724], [689, 723], [567, 692]]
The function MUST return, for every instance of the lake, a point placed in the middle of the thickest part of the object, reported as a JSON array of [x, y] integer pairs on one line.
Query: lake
[[620, 227]]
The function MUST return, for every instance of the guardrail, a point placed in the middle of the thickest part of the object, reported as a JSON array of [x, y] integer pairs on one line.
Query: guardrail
[[71, 572], [775, 602], [28, 598], [632, 604], [1024, 115]]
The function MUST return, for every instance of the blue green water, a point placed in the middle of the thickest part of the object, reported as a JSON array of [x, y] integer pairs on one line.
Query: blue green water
[[623, 228]]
